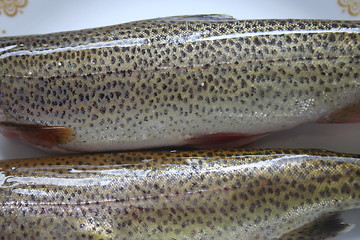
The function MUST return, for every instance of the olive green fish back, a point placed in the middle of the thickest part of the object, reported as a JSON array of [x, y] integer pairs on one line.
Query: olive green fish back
[[161, 82], [258, 194]]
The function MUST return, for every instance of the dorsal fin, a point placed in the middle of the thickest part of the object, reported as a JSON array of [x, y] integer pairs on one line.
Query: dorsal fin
[[197, 18], [325, 227]]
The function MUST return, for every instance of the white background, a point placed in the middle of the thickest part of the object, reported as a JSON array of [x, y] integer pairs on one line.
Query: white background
[[43, 16]]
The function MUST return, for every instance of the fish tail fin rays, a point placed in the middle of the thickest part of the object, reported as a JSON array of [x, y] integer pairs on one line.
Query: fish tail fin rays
[[348, 114], [39, 135], [325, 227]]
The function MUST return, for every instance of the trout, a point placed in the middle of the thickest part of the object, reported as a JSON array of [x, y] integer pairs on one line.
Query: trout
[[203, 194], [201, 81]]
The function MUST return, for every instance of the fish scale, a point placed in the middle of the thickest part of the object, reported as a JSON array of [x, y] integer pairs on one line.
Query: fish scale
[[211, 194], [164, 82]]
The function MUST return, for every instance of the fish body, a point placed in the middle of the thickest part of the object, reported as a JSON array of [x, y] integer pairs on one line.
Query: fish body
[[191, 80], [210, 194]]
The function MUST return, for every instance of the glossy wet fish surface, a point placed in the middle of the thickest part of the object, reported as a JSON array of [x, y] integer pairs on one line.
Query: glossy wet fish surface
[[210, 194], [173, 81]]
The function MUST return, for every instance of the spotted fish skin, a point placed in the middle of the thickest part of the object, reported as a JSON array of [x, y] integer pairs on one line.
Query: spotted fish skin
[[211, 194], [164, 81]]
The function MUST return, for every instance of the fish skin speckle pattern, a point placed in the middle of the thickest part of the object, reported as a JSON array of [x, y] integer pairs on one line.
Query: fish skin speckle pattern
[[210, 194], [160, 82]]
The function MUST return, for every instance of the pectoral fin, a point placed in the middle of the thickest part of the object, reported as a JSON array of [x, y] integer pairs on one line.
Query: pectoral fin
[[322, 228], [223, 140], [348, 114], [43, 136]]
